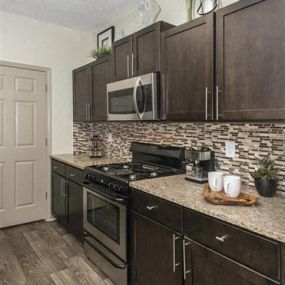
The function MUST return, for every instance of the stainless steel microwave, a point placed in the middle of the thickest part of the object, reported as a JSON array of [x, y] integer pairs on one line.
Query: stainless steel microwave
[[133, 99]]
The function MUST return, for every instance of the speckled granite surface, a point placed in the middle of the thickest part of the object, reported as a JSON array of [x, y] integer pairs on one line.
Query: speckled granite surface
[[81, 161], [267, 218]]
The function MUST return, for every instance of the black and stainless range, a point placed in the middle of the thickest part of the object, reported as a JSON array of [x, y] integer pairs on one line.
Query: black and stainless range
[[106, 203]]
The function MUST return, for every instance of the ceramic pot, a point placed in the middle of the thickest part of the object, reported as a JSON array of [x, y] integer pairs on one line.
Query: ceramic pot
[[265, 187]]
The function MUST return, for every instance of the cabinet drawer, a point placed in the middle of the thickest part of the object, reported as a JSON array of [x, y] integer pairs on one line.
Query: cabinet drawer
[[58, 167], [74, 174], [157, 209], [259, 253]]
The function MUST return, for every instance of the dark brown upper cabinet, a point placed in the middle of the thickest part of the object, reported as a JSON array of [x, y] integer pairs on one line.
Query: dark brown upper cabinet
[[82, 94], [250, 60], [187, 71], [139, 53], [90, 90], [101, 77]]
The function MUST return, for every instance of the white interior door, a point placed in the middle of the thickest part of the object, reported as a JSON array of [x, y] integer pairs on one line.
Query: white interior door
[[22, 145]]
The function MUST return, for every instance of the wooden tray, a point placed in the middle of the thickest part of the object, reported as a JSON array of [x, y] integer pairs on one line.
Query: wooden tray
[[220, 198]]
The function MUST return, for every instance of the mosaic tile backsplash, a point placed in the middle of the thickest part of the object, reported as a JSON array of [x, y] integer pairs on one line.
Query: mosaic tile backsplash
[[252, 139]]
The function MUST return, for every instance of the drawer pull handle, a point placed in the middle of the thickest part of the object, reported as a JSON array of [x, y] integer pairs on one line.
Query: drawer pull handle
[[185, 271], [150, 208], [222, 239], [174, 264]]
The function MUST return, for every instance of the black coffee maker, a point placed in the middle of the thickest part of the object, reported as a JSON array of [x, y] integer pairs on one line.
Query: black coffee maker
[[200, 161]]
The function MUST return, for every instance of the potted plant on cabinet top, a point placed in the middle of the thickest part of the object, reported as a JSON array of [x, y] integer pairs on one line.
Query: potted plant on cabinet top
[[265, 177], [101, 52]]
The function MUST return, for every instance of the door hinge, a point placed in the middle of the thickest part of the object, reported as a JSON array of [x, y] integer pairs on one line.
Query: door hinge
[[46, 141], [46, 195]]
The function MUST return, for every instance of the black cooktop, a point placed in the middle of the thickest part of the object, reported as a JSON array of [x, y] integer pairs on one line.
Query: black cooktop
[[132, 171]]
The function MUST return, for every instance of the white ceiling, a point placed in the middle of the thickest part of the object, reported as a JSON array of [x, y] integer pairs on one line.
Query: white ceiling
[[83, 15]]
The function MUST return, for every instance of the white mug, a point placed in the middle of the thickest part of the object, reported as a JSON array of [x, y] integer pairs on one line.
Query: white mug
[[215, 179], [232, 185]]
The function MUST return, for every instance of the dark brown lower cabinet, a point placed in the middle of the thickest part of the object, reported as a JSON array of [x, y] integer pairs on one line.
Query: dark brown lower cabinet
[[156, 253], [67, 197], [210, 268], [59, 202]]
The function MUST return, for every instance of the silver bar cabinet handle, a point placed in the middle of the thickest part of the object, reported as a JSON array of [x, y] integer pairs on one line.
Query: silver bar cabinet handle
[[222, 238], [86, 112], [132, 64], [217, 102], [150, 208], [128, 65], [174, 264], [89, 112], [206, 104], [185, 271]]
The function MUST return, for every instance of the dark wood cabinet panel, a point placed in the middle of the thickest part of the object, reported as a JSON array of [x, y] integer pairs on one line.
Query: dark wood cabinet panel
[[75, 209], [146, 48], [122, 59], [283, 263], [240, 245], [250, 56], [101, 77], [59, 205], [154, 253], [82, 94], [211, 268], [187, 70]]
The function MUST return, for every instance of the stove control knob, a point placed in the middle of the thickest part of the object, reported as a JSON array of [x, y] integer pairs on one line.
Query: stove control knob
[[93, 178], [87, 177], [111, 186], [118, 188]]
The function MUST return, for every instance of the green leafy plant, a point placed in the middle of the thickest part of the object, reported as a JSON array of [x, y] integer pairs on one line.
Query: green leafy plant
[[266, 169], [100, 52]]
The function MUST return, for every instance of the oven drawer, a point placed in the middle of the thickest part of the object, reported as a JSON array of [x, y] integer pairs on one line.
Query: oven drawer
[[261, 254], [157, 209], [74, 174], [58, 167]]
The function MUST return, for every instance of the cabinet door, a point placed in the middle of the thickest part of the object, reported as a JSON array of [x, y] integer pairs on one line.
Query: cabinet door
[[101, 76], [250, 58], [211, 268], [146, 48], [187, 71], [59, 202], [122, 59], [75, 208], [156, 252], [82, 94]]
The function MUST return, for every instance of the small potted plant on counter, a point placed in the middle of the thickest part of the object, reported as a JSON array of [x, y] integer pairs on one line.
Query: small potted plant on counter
[[265, 177]]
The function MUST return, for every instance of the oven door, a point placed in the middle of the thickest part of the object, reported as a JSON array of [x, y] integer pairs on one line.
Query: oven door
[[133, 99], [106, 220]]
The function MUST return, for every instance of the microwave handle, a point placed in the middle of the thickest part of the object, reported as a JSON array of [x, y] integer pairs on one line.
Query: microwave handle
[[135, 98]]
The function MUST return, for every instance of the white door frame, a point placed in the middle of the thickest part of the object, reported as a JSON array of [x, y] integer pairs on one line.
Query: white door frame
[[47, 71]]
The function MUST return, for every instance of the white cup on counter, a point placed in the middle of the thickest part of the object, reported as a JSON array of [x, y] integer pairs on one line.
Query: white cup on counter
[[232, 185], [215, 179]]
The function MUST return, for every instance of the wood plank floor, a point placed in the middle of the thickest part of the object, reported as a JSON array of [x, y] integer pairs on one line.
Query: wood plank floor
[[43, 253]]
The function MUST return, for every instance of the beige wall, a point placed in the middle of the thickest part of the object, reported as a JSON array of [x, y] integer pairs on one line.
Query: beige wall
[[24, 40]]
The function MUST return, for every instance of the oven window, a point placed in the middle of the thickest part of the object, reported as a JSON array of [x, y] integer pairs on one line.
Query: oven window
[[104, 216], [121, 102]]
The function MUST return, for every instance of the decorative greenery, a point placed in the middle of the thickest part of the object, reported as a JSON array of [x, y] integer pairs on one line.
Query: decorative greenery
[[100, 52], [266, 169]]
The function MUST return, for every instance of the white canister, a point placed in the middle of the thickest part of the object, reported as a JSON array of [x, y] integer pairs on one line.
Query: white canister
[[215, 179], [232, 185]]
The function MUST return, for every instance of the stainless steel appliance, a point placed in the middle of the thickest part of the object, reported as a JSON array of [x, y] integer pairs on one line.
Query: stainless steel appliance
[[133, 99], [97, 146], [201, 161], [106, 202]]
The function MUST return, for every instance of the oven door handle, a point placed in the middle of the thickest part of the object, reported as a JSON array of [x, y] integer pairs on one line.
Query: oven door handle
[[135, 101], [105, 256], [114, 199]]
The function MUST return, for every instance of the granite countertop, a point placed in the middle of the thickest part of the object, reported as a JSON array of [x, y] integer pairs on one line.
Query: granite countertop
[[267, 218], [81, 161]]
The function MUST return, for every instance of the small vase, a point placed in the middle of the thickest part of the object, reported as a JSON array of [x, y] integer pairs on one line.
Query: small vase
[[265, 187]]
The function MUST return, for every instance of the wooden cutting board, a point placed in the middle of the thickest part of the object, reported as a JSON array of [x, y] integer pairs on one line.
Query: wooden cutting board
[[220, 198]]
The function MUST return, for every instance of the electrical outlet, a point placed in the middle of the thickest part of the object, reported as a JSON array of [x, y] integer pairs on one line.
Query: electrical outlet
[[230, 149], [110, 138]]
